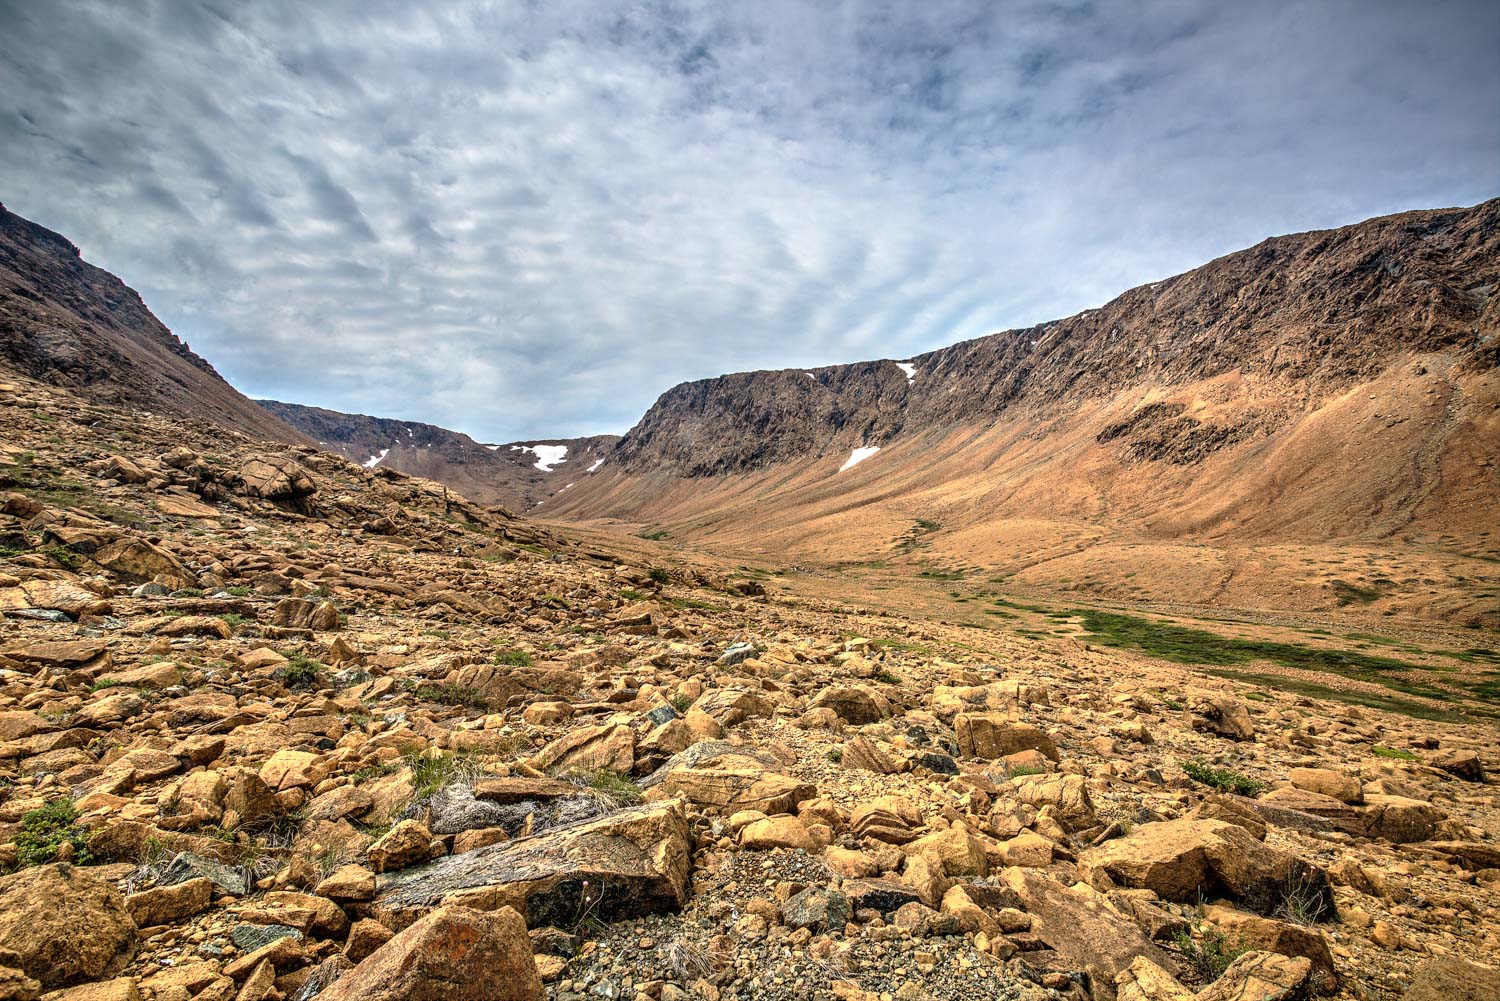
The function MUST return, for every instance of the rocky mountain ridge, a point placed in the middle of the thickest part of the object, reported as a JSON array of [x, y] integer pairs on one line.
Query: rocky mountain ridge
[[513, 474], [68, 323], [1310, 313]]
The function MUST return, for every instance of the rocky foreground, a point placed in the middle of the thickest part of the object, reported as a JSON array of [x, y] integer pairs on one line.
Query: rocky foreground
[[273, 725]]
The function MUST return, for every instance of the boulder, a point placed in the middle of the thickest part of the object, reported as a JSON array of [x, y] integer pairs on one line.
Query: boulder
[[589, 748], [1068, 795], [1327, 782], [732, 778], [138, 561], [1281, 937], [451, 954], [1449, 978], [632, 862], [1081, 927], [1223, 716], [994, 735], [273, 479], [303, 613], [64, 924], [1184, 859], [851, 703], [1260, 976]]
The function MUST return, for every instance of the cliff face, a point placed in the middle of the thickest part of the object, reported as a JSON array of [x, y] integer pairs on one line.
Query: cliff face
[[65, 322], [515, 475], [1309, 314]]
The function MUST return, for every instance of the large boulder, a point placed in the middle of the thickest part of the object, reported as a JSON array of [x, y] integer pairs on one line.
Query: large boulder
[[1260, 976], [851, 703], [994, 735], [451, 954], [1068, 795], [1184, 859], [64, 924], [633, 862], [1082, 928], [730, 777], [137, 560], [1449, 978], [274, 479]]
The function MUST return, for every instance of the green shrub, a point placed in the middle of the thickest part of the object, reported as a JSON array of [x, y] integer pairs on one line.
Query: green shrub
[[44, 830], [1207, 955], [659, 575], [512, 657], [1222, 778], [1392, 752], [299, 672], [453, 695]]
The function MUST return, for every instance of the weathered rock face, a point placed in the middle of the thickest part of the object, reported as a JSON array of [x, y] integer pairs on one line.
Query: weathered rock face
[[731, 778], [634, 862], [994, 735], [1184, 859], [64, 924], [1450, 978], [451, 954]]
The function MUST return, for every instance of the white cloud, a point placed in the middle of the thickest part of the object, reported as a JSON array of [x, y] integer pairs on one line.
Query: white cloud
[[527, 220]]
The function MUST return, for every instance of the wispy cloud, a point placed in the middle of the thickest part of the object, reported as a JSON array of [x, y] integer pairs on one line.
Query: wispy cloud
[[526, 219]]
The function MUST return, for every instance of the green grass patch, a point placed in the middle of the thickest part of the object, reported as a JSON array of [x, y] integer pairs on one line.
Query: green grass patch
[[452, 695], [1398, 753], [1225, 779], [45, 830], [511, 657]]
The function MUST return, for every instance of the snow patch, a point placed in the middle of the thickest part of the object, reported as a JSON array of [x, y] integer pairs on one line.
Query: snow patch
[[375, 460], [909, 369], [547, 456], [811, 376], [596, 465], [859, 455]]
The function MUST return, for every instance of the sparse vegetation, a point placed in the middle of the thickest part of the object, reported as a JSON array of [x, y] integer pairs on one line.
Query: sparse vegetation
[[46, 829], [1392, 752], [299, 671], [452, 695], [511, 657], [1225, 779], [1207, 951]]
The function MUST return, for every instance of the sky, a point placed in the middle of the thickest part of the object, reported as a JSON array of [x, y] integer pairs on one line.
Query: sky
[[529, 219]]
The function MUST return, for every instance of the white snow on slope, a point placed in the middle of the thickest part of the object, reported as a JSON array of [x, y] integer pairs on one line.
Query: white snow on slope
[[375, 460], [859, 455], [547, 456], [909, 369], [596, 465]]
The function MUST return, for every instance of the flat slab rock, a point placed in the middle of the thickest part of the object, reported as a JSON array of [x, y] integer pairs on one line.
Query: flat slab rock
[[633, 862]]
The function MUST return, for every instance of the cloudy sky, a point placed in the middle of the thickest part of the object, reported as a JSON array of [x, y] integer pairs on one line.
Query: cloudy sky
[[525, 219]]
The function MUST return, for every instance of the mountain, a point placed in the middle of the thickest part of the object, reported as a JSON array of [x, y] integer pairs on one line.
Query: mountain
[[65, 322], [1333, 385], [517, 475]]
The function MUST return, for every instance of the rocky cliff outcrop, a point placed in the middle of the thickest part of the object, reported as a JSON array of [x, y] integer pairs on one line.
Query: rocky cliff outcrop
[[68, 323], [1310, 313]]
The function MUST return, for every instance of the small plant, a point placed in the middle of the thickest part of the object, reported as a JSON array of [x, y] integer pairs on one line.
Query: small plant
[[1225, 779], [656, 536], [1392, 752], [885, 677], [238, 591], [1021, 771], [441, 634], [188, 592], [659, 575], [104, 683], [681, 703], [453, 695], [299, 672], [1208, 953], [233, 620], [1173, 705], [512, 657], [63, 556], [45, 829], [834, 754]]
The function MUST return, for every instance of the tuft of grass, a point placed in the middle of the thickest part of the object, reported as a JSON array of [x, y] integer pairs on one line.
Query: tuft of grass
[[239, 591], [659, 575], [681, 703], [612, 789], [45, 829], [885, 677], [512, 657], [1222, 778], [375, 771], [439, 769], [656, 536], [1392, 752]]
